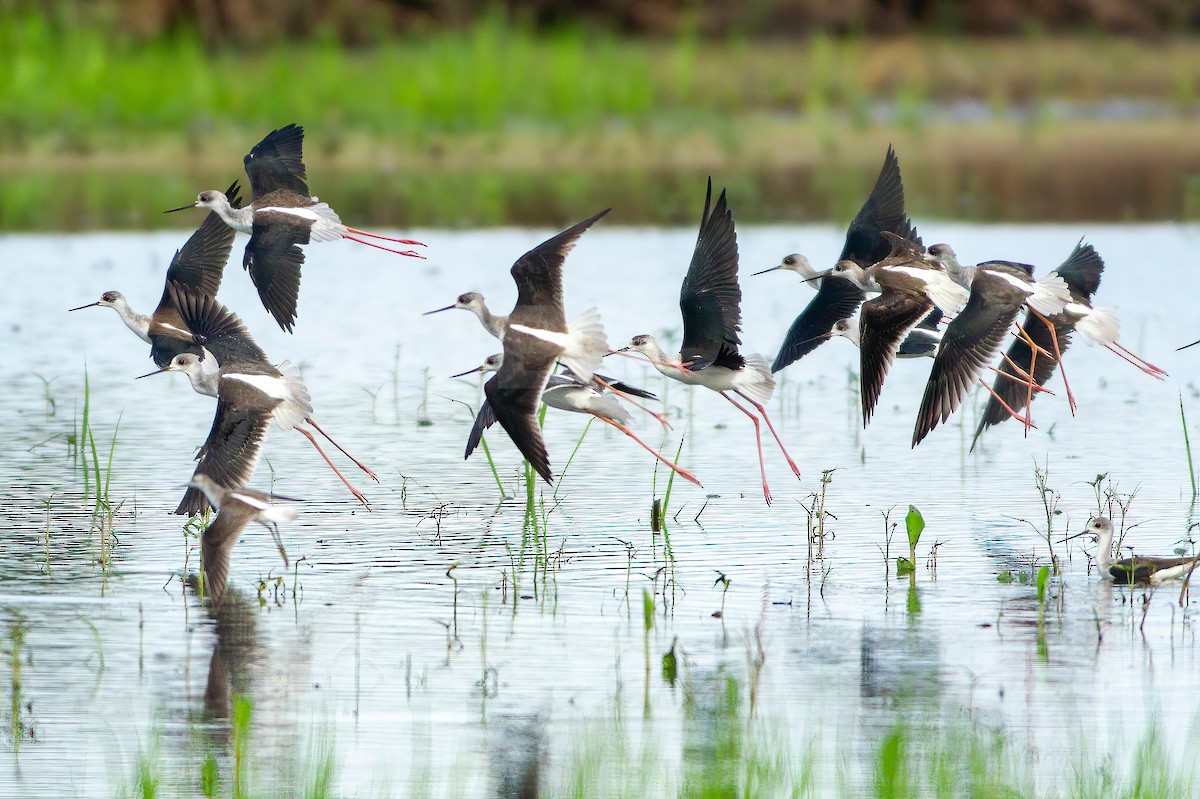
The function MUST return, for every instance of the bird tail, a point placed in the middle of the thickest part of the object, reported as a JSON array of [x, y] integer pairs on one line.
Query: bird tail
[[1050, 295], [298, 407], [1101, 326], [756, 379], [328, 226], [609, 408]]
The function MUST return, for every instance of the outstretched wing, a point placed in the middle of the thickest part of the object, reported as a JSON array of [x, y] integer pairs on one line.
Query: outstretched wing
[[885, 321], [711, 299], [274, 261], [483, 420], [216, 328], [1082, 270], [200, 263], [277, 162], [837, 299], [968, 347], [538, 275], [229, 454], [514, 393], [883, 211]]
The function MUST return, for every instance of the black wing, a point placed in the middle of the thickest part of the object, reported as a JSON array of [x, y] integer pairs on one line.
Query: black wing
[[711, 298], [885, 321], [602, 382], [933, 320], [274, 260], [837, 299], [277, 162], [514, 394], [200, 263], [968, 347], [483, 420], [883, 211], [216, 544], [1082, 270], [538, 275], [216, 328], [230, 453], [164, 348], [1012, 388]]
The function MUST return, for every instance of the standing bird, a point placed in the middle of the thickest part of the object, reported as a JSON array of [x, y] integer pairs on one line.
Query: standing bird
[[999, 289], [282, 214], [568, 393], [250, 392], [236, 507], [1135, 570], [710, 301], [883, 212], [199, 265], [1081, 271], [535, 337]]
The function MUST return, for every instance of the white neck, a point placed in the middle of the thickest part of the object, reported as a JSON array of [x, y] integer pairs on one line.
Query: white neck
[[1104, 559], [205, 376], [662, 361], [492, 323], [138, 323], [240, 219]]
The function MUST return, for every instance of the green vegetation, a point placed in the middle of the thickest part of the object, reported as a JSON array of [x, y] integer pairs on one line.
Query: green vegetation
[[499, 123]]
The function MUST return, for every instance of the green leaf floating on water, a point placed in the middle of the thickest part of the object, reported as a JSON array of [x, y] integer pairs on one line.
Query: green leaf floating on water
[[914, 523]]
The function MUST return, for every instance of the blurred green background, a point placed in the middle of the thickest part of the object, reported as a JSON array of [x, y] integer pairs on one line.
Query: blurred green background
[[450, 114]]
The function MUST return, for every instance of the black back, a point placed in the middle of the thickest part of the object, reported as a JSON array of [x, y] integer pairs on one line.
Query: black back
[[883, 211], [838, 298], [515, 392], [711, 299], [277, 162], [230, 452]]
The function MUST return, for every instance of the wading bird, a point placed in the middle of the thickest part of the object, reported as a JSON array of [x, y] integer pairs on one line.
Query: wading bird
[[236, 507], [883, 212], [1135, 570], [282, 215], [250, 392], [535, 337], [568, 393], [710, 302], [199, 265]]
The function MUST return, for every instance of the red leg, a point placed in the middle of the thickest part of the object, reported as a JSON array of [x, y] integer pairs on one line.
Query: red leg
[[342, 450], [762, 466], [371, 235], [662, 418], [1021, 374], [357, 494], [1015, 415], [1141, 362], [1058, 355], [679, 470], [763, 412], [409, 253]]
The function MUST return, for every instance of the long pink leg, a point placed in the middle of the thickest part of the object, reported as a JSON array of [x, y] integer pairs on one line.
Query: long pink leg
[[763, 412], [342, 450], [679, 470], [371, 235], [762, 466], [357, 494], [409, 253], [1024, 419], [663, 364], [1025, 380], [1141, 362], [622, 395], [1058, 358]]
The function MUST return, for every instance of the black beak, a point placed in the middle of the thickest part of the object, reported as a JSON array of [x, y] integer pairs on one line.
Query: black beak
[[819, 275], [151, 374], [763, 272], [181, 208], [439, 310], [1184, 347], [469, 371], [81, 307]]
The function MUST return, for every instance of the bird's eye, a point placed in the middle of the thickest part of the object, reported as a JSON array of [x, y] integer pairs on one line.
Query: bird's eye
[[790, 260]]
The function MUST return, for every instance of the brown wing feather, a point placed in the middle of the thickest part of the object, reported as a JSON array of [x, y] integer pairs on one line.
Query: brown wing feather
[[885, 321]]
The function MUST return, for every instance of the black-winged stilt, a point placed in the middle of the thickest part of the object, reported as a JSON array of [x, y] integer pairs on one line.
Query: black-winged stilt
[[199, 265], [710, 302], [883, 212], [536, 336], [236, 507], [281, 215], [1135, 570], [473, 301], [999, 290], [250, 392], [567, 392]]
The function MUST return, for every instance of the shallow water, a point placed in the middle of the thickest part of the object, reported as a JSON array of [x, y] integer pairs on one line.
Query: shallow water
[[400, 638]]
